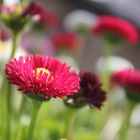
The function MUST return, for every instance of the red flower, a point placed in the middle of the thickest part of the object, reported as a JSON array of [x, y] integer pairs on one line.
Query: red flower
[[65, 40], [42, 77], [128, 78], [45, 17], [4, 36], [117, 26], [90, 92]]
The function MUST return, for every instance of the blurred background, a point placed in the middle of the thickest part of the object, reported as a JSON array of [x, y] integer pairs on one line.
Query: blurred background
[[87, 55]]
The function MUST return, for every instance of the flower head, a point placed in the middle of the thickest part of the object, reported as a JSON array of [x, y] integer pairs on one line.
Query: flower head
[[90, 92], [130, 80], [45, 17], [42, 77], [65, 40], [21, 14], [116, 29], [13, 15], [80, 21]]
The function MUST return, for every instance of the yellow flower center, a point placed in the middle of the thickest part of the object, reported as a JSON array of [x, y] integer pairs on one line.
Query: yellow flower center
[[43, 71], [18, 10]]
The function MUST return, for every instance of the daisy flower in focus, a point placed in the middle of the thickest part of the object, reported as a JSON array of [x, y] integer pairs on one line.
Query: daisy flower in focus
[[42, 77], [90, 92], [115, 29]]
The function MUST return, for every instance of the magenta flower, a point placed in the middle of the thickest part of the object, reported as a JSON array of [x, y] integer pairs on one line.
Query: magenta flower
[[65, 40], [116, 27], [42, 77], [128, 78]]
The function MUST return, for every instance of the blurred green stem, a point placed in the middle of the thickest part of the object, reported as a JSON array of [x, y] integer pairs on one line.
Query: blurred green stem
[[126, 122], [15, 43], [35, 109], [6, 109], [6, 96], [105, 76], [106, 72], [69, 123], [20, 113]]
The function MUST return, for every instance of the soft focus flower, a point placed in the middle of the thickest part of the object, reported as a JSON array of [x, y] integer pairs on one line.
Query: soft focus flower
[[42, 77], [111, 62], [4, 35], [79, 20], [65, 40], [130, 80], [45, 17], [90, 92], [5, 52], [13, 15], [24, 13], [116, 29]]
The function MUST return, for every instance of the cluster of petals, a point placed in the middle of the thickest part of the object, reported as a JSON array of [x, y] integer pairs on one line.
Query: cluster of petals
[[65, 40], [59, 82], [117, 26], [128, 78], [92, 89], [90, 92]]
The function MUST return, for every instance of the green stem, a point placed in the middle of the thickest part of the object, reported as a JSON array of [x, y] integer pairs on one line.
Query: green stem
[[69, 123], [3, 110], [35, 110], [103, 115], [126, 123], [6, 109], [21, 111], [6, 97], [15, 44], [106, 72]]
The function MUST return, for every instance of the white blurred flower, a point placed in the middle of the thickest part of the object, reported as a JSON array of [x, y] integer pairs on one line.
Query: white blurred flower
[[79, 18], [5, 52], [135, 119], [10, 2], [114, 63], [70, 61]]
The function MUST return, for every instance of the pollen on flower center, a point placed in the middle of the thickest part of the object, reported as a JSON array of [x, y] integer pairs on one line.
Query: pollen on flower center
[[43, 71]]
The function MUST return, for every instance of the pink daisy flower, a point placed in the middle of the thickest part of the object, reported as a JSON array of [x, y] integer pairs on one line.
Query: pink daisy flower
[[116, 26], [128, 78], [42, 77]]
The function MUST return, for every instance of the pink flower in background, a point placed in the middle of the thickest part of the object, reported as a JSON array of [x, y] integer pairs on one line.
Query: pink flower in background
[[127, 78], [116, 26], [65, 40], [4, 35], [45, 17], [41, 77]]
